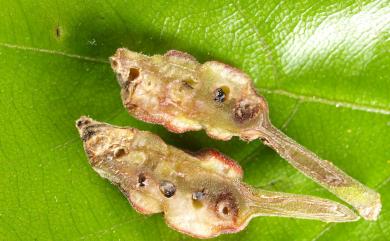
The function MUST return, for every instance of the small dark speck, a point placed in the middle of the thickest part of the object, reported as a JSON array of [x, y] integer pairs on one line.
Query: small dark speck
[[82, 122], [225, 210], [198, 195], [141, 180], [119, 152], [79, 123], [219, 95], [58, 32]]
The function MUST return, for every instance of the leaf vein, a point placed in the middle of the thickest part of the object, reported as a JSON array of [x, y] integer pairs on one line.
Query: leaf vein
[[53, 52], [303, 98], [326, 101]]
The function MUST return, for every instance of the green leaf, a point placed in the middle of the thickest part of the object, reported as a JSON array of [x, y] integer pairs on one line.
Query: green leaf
[[322, 65]]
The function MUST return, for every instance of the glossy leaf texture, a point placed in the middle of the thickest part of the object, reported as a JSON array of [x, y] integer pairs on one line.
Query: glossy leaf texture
[[322, 65]]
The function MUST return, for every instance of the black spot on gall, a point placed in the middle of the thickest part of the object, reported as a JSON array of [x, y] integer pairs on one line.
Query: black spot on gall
[[226, 205], [119, 152], [141, 180], [133, 74], [199, 195], [225, 210], [82, 122], [219, 95], [167, 188]]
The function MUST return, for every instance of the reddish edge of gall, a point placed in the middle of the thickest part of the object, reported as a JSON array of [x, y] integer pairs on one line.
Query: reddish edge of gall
[[224, 159], [155, 120]]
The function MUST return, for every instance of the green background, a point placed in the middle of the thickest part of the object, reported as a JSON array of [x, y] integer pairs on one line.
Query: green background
[[322, 65]]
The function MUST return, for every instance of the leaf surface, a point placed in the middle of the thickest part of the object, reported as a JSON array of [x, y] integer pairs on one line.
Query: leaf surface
[[322, 65]]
